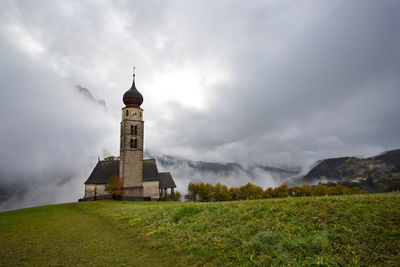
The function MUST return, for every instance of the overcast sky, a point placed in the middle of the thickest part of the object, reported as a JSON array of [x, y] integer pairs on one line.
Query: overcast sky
[[279, 83]]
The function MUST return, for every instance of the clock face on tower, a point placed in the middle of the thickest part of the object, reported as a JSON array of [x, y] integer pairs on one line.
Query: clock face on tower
[[134, 114]]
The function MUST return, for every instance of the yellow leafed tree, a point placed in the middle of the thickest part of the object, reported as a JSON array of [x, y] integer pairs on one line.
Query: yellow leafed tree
[[114, 187]]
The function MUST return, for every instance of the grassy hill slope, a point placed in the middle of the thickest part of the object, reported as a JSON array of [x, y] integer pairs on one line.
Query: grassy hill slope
[[352, 229]]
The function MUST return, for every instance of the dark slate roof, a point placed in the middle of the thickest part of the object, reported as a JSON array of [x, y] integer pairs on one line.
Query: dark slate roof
[[104, 170], [150, 171], [166, 180]]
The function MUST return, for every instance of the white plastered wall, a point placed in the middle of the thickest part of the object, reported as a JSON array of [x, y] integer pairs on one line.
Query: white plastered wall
[[91, 189]]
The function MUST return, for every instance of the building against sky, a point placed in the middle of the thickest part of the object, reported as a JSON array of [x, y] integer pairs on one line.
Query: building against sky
[[140, 177]]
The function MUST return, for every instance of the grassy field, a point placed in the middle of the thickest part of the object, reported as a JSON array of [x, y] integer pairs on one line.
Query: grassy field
[[321, 231]]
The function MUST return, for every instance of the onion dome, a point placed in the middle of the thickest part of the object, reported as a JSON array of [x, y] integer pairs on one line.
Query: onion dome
[[132, 97]]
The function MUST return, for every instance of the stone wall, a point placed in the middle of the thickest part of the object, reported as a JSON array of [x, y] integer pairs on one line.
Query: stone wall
[[133, 192], [151, 189], [131, 159]]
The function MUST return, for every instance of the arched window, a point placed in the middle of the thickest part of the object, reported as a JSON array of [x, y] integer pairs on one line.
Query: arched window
[[132, 129], [135, 130], [135, 143], [132, 143], [127, 113]]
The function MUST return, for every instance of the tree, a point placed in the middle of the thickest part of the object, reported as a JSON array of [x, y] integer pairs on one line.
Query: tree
[[320, 190], [299, 191], [110, 158], [205, 192], [250, 191], [268, 193], [256, 192], [341, 190], [357, 190], [234, 192], [221, 193], [177, 196], [307, 189], [281, 191], [174, 197], [192, 194], [114, 187]]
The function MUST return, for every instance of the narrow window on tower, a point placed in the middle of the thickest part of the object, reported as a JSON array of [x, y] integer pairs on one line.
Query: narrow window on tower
[[132, 129], [135, 143], [127, 113], [135, 130], [132, 143]]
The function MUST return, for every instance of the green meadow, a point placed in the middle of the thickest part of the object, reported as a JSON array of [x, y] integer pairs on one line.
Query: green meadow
[[355, 230]]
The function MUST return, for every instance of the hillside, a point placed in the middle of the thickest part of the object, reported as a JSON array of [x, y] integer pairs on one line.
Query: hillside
[[342, 230], [383, 170]]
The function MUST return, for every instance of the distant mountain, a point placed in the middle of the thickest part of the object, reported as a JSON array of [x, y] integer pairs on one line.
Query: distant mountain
[[390, 157], [353, 168], [87, 94], [231, 174]]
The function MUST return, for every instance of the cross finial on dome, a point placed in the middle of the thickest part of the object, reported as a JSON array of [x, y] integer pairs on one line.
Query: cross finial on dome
[[132, 97]]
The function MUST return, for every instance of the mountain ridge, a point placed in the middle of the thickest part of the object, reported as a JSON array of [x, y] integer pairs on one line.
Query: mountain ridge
[[224, 169], [345, 168]]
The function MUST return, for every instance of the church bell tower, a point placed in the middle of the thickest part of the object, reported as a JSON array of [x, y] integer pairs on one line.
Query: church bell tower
[[131, 147]]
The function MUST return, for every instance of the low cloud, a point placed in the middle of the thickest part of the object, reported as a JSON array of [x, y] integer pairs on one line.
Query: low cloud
[[229, 174], [50, 134]]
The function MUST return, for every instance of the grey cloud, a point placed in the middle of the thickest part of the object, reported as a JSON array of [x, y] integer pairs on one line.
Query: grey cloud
[[86, 92], [50, 134], [330, 75]]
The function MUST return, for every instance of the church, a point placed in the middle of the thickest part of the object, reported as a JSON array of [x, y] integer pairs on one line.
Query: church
[[140, 177]]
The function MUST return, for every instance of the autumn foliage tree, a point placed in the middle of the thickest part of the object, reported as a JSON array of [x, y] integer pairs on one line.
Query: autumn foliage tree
[[205, 192], [299, 191], [281, 191], [219, 192], [268, 193], [110, 158], [114, 187], [250, 191]]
